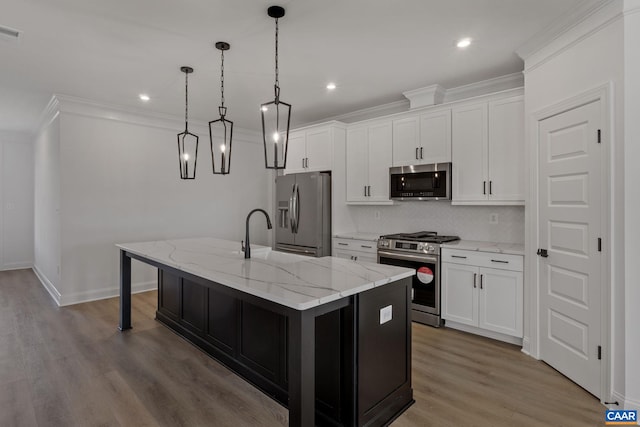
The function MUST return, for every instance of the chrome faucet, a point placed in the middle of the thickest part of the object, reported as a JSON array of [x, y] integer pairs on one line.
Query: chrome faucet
[[246, 246]]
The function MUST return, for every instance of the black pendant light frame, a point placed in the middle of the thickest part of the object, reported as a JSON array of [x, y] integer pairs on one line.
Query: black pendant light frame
[[222, 122], [183, 156], [282, 110]]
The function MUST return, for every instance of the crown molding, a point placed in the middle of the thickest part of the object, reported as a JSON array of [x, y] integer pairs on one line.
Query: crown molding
[[568, 30], [49, 113], [484, 87], [426, 96], [367, 113], [88, 108]]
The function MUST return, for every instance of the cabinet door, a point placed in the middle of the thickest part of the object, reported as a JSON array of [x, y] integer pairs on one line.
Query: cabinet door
[[380, 155], [435, 137], [459, 293], [296, 152], [357, 164], [319, 149], [506, 149], [406, 141], [500, 301], [469, 153], [342, 253]]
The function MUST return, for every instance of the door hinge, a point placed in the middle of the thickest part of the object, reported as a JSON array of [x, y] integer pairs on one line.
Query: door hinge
[[599, 136], [599, 244], [599, 352]]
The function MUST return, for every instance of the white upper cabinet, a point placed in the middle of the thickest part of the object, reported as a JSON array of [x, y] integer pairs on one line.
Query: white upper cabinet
[[368, 158], [506, 149], [310, 149], [423, 138], [488, 152]]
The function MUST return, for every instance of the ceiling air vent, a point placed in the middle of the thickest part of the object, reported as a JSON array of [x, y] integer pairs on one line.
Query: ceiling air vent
[[9, 33]]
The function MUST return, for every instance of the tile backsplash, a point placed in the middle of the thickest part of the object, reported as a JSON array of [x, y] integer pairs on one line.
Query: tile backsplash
[[468, 222]]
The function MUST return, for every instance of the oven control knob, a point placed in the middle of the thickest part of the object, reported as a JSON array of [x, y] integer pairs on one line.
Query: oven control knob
[[431, 249], [420, 246], [384, 243]]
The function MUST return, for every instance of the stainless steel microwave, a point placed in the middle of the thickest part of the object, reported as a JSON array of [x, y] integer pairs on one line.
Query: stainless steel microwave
[[421, 182]]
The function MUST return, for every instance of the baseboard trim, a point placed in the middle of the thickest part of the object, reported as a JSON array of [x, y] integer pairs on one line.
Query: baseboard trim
[[16, 266], [632, 404], [47, 284], [104, 293], [483, 332]]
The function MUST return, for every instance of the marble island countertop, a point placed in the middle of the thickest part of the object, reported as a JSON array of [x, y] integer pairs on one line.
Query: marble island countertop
[[474, 245], [294, 281]]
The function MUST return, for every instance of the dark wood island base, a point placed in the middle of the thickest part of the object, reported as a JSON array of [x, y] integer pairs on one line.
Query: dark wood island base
[[336, 364]]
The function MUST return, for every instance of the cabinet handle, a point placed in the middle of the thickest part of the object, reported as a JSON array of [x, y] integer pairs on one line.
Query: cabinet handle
[[416, 153], [481, 280], [458, 256], [421, 148], [484, 187], [307, 162], [365, 191], [343, 244], [500, 261], [351, 257], [369, 189], [303, 163], [490, 187], [355, 258], [475, 275], [366, 247]]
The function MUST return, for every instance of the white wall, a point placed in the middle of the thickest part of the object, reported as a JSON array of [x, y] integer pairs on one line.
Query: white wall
[[16, 200], [468, 222], [119, 182], [589, 56], [632, 200]]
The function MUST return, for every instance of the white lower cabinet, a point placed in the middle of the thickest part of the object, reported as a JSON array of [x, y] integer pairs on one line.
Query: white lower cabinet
[[355, 249], [477, 294]]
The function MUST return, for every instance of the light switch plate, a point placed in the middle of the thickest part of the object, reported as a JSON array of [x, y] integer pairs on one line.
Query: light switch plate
[[386, 314]]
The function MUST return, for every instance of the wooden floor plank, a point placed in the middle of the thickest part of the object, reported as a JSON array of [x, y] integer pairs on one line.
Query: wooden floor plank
[[70, 366]]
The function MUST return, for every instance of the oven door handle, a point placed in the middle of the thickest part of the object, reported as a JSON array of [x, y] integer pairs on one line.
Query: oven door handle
[[408, 257]]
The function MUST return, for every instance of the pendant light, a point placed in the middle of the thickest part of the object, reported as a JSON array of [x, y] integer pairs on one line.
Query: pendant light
[[276, 115], [187, 141], [224, 128]]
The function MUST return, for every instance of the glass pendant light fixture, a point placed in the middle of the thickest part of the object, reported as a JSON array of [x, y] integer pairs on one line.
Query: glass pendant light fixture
[[276, 115], [187, 141], [221, 130]]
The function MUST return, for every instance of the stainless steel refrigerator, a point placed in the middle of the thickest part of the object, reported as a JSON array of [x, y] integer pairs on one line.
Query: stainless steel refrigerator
[[303, 213]]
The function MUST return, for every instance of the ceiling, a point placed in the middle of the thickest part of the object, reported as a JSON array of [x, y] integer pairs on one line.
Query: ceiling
[[111, 51]]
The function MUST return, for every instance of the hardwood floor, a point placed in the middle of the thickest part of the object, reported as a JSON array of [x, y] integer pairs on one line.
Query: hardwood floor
[[70, 366]]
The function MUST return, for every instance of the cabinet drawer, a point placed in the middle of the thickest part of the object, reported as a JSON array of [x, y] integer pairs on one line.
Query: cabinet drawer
[[483, 259], [355, 245]]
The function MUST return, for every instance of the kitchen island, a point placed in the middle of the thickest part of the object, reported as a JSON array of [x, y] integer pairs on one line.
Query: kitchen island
[[326, 337]]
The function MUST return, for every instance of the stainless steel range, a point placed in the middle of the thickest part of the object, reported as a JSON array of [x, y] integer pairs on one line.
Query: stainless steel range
[[420, 251]]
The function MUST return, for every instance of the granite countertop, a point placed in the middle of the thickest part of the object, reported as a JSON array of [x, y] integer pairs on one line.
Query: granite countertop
[[294, 281], [358, 236], [473, 245]]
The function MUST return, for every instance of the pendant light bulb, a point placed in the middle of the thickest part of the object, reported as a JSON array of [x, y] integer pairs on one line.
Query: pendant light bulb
[[276, 114]]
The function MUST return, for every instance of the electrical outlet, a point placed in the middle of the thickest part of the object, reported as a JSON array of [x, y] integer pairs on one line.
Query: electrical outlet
[[386, 314], [493, 218], [376, 214]]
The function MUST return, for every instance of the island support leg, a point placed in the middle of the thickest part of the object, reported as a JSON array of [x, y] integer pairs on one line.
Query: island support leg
[[302, 387], [125, 291]]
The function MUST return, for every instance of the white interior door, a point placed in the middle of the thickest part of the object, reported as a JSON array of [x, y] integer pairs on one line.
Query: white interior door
[[570, 226]]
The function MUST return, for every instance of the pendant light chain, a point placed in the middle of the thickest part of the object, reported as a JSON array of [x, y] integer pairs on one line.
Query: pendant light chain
[[186, 102], [277, 85], [222, 77]]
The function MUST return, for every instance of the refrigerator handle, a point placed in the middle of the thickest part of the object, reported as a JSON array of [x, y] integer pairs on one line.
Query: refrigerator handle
[[297, 207], [292, 219]]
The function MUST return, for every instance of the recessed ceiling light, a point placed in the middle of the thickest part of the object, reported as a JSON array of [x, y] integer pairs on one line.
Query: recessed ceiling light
[[331, 86], [462, 43], [264, 108], [144, 97]]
